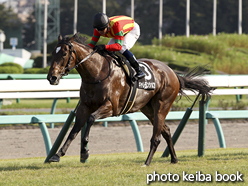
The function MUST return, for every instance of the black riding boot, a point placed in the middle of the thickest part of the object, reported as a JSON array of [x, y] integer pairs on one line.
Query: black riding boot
[[132, 60]]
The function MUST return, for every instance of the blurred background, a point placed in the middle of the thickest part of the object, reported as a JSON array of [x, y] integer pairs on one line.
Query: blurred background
[[22, 22]]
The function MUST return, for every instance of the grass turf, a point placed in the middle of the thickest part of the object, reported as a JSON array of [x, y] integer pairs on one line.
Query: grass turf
[[124, 169]]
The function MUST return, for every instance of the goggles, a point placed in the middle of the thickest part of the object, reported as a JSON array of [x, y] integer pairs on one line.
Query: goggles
[[100, 29]]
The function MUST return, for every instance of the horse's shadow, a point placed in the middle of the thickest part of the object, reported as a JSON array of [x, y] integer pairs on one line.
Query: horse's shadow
[[16, 168]]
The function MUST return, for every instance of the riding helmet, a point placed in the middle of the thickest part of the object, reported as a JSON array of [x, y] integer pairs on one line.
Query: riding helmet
[[101, 21]]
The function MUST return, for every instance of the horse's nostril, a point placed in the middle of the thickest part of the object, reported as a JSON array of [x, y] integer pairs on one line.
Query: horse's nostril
[[54, 78]]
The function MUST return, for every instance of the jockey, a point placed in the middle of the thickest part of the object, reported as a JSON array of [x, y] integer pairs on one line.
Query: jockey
[[123, 32]]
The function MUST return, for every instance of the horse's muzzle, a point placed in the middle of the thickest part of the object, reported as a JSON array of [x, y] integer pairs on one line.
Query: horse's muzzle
[[53, 80]]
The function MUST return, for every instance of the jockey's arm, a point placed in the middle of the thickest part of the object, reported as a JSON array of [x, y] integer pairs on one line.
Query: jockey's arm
[[94, 39], [117, 46], [118, 37]]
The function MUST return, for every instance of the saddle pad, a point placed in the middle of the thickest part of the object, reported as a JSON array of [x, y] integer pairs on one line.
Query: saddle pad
[[148, 82]]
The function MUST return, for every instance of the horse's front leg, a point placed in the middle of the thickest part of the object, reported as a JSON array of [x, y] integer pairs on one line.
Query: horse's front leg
[[81, 115], [104, 111]]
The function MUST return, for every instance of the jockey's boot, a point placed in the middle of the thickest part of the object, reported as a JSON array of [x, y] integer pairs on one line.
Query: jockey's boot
[[132, 60], [139, 73]]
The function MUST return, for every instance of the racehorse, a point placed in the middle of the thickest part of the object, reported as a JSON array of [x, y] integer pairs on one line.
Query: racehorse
[[104, 91]]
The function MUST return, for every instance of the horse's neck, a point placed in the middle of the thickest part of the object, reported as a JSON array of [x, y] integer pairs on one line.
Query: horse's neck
[[91, 68]]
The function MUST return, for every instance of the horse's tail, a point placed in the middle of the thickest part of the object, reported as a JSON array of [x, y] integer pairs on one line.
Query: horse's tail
[[191, 81]]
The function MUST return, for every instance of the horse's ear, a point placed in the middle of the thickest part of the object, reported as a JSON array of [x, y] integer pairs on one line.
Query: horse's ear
[[73, 37], [60, 37]]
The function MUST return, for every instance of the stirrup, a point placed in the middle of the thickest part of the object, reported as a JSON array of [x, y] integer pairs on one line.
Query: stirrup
[[140, 74]]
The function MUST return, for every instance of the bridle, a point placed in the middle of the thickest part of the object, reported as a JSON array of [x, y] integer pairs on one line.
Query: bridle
[[67, 69], [71, 50]]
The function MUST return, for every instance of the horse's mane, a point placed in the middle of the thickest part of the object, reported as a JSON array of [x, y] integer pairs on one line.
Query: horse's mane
[[77, 38]]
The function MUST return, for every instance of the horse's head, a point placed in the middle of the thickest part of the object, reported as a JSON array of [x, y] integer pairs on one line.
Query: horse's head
[[62, 59]]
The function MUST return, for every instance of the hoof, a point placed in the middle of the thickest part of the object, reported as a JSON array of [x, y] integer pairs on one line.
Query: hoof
[[144, 165], [84, 156], [55, 158], [174, 161]]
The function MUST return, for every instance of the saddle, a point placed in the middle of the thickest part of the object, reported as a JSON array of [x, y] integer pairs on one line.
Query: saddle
[[148, 82]]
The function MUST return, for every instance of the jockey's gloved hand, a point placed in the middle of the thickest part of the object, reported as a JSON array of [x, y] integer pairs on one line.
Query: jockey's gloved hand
[[99, 47]]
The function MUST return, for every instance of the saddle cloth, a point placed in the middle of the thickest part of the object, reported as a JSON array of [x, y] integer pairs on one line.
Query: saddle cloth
[[148, 82]]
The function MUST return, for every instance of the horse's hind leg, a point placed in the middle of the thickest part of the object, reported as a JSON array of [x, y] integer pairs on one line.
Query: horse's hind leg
[[157, 118], [155, 140], [167, 136], [104, 111]]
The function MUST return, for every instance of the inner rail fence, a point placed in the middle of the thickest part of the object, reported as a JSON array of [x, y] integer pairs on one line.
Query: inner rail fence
[[40, 88]]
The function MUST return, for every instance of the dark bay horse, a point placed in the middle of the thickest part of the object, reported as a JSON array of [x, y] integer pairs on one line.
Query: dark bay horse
[[104, 91]]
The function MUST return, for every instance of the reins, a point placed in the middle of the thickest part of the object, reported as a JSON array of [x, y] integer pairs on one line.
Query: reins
[[76, 65], [67, 69]]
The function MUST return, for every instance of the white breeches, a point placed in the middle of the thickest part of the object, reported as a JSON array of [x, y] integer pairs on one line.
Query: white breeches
[[129, 39]]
